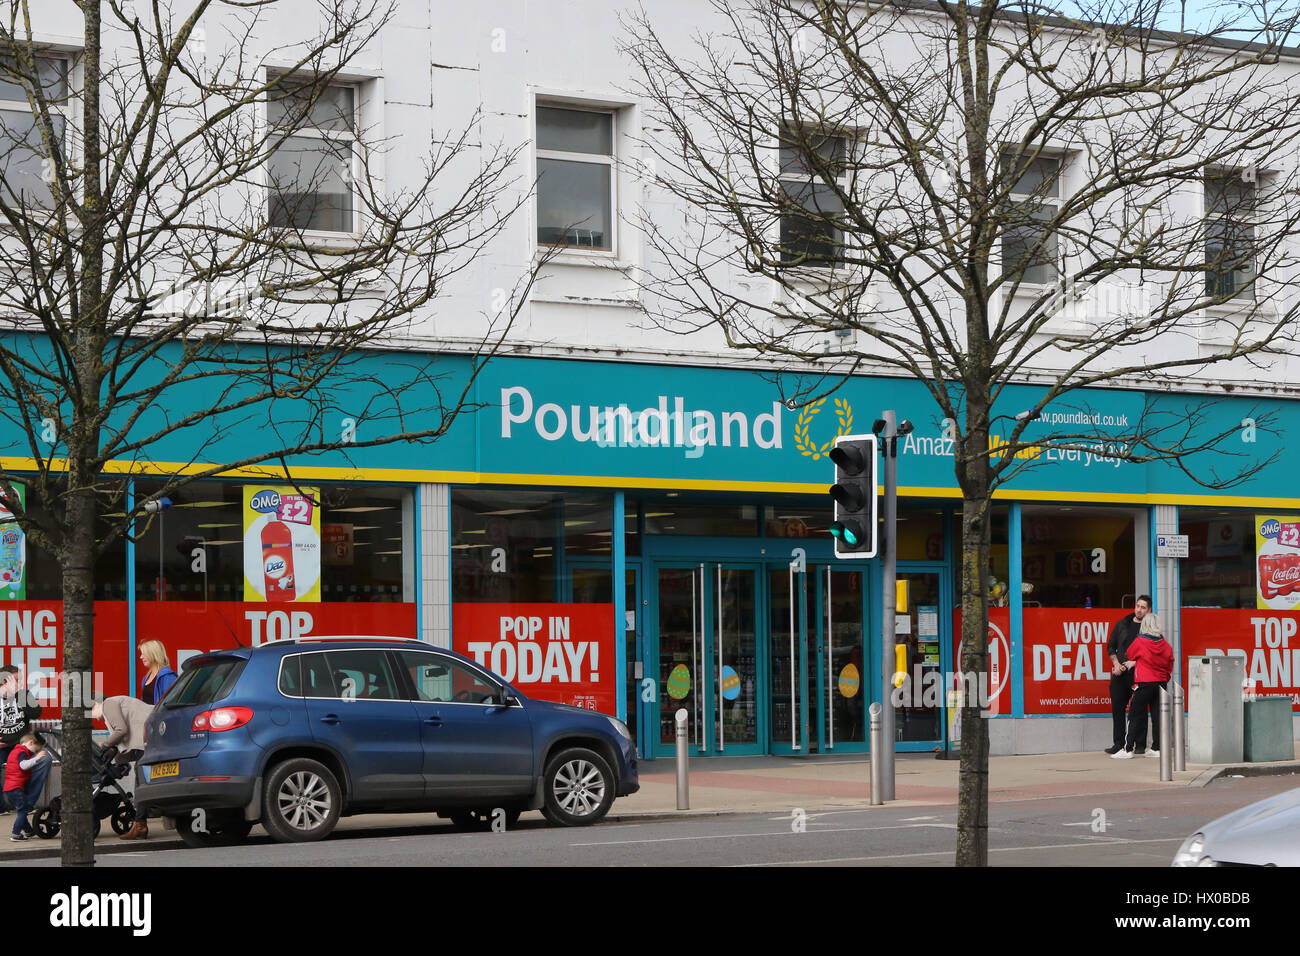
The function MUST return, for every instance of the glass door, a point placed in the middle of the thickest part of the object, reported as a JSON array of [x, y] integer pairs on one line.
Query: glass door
[[918, 641], [708, 662], [817, 643]]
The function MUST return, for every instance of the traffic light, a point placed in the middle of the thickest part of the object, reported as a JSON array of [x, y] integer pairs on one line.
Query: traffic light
[[854, 491]]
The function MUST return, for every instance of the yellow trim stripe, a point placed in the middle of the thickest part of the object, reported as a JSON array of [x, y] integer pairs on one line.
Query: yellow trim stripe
[[431, 475]]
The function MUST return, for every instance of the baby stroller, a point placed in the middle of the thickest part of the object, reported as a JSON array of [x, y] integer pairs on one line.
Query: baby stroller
[[108, 798]]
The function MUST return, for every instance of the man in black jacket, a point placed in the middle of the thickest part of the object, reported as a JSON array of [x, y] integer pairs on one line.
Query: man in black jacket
[[1121, 680]]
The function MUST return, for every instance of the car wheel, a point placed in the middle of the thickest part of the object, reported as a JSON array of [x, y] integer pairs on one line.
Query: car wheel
[[122, 817], [301, 801], [199, 833], [579, 788], [481, 820], [46, 824]]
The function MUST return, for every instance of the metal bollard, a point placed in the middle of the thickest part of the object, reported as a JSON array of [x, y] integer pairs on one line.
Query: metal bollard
[[1166, 738], [683, 759], [1180, 729], [877, 742]]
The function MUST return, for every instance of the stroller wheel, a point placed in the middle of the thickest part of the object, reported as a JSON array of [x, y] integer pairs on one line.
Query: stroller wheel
[[122, 817], [46, 823]]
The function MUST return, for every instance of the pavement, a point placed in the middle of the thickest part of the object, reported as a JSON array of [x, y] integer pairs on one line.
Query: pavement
[[727, 785]]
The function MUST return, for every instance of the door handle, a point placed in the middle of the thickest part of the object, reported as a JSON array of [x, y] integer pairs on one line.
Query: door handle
[[434, 721], [330, 719]]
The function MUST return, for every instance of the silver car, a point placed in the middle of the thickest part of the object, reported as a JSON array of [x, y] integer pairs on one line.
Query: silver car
[[1266, 833]]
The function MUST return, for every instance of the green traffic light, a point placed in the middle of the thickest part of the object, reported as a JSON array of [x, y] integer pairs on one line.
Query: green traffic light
[[839, 530]]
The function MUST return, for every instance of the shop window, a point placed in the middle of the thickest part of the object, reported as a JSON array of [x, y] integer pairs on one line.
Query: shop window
[[575, 178], [920, 534], [39, 572], [1219, 570], [999, 561], [364, 552], [1079, 557], [675, 517], [797, 520], [514, 546]]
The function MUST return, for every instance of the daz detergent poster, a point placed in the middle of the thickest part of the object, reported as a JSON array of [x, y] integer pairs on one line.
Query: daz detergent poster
[[1277, 562], [281, 543]]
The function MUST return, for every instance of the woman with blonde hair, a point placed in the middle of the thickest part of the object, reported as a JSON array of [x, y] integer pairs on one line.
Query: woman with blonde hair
[[159, 677]]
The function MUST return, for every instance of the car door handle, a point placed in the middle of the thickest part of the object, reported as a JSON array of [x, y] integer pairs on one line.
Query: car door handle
[[330, 719], [434, 721]]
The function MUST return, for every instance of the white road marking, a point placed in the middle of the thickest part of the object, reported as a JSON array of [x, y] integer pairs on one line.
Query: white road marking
[[1000, 849], [747, 836]]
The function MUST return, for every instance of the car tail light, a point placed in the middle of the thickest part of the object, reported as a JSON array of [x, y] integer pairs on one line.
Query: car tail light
[[223, 718]]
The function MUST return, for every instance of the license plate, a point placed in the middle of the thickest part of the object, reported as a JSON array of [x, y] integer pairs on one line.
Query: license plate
[[170, 769]]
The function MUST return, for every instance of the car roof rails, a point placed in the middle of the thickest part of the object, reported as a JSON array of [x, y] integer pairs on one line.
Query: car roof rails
[[308, 639]]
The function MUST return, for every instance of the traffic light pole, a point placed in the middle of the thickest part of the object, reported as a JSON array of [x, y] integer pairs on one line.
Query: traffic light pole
[[889, 566]]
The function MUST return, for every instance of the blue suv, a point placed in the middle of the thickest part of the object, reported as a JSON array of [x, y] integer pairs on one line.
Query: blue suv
[[295, 734]]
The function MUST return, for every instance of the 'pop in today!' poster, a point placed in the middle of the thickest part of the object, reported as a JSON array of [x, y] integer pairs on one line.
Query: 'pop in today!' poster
[[1277, 561], [281, 543]]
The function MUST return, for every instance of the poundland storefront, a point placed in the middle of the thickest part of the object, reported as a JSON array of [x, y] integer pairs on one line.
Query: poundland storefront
[[640, 538]]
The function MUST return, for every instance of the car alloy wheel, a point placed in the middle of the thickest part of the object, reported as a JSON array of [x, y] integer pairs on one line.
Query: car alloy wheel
[[579, 788], [302, 801]]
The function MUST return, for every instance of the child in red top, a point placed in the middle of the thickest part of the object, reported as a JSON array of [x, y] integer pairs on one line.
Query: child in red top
[[25, 773], [1152, 660]]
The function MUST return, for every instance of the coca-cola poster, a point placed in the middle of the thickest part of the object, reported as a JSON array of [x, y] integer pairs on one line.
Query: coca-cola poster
[[1277, 562]]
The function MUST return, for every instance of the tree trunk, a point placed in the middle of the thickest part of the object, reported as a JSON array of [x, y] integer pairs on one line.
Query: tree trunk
[[78, 658], [82, 438], [973, 779]]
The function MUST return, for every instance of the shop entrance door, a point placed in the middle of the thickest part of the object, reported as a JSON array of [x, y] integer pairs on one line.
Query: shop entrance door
[[708, 661], [818, 646], [923, 642]]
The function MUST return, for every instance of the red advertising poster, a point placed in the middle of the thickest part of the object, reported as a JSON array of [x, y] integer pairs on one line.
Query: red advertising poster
[[1267, 640], [32, 633], [187, 628], [1066, 667], [558, 652], [998, 692]]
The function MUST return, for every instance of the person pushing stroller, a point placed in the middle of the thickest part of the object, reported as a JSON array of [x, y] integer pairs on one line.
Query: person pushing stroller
[[125, 718]]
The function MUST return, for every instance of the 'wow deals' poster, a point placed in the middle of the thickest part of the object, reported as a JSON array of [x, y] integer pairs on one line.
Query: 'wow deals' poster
[[281, 543]]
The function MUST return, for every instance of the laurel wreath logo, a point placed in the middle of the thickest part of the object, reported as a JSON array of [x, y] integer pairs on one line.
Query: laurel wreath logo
[[802, 441]]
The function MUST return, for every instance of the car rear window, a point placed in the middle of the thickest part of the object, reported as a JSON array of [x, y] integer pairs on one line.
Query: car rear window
[[202, 683]]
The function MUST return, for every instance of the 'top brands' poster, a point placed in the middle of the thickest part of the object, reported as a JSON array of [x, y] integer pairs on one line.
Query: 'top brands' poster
[[13, 552], [1277, 562], [281, 543]]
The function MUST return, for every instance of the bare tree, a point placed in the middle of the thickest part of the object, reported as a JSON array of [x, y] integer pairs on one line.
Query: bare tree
[[166, 276], [980, 195]]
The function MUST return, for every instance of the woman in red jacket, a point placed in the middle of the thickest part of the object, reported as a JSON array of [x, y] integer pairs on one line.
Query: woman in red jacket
[[1152, 660]]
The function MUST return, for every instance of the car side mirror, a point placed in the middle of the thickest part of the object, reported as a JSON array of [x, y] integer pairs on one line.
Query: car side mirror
[[508, 699]]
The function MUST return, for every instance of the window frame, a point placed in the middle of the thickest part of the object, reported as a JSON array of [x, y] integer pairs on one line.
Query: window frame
[[1244, 292], [350, 135], [610, 160], [64, 108], [811, 180], [1053, 201]]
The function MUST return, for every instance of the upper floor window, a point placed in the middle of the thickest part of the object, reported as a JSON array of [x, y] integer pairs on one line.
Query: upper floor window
[[575, 178], [1229, 235], [26, 169], [311, 171], [1029, 247], [811, 237]]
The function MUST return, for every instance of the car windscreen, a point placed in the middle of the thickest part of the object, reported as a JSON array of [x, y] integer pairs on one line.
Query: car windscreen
[[204, 682]]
